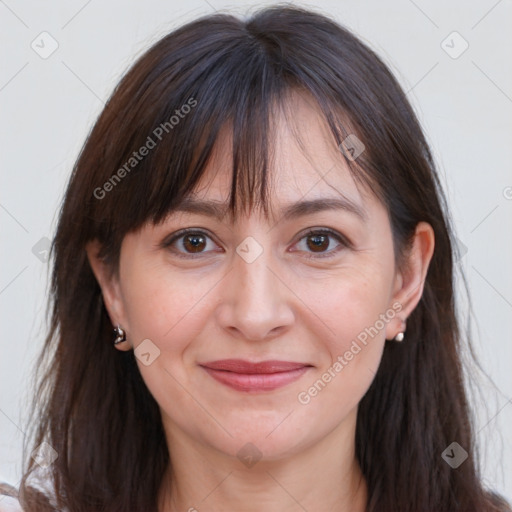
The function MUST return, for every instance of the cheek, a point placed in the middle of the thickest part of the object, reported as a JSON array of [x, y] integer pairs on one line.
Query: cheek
[[355, 308], [169, 309], [350, 302], [352, 357], [160, 303]]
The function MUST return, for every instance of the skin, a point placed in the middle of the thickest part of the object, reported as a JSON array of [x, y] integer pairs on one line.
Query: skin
[[282, 306]]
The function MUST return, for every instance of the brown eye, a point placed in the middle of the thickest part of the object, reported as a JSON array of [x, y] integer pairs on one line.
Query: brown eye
[[188, 243], [194, 243], [320, 242]]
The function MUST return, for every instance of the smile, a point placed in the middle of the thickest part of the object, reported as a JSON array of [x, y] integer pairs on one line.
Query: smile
[[245, 376]]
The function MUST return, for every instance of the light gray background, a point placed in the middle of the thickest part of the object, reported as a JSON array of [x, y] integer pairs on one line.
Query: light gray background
[[464, 103]]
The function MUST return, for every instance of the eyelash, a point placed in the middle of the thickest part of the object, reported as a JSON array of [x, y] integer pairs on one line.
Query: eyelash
[[325, 231]]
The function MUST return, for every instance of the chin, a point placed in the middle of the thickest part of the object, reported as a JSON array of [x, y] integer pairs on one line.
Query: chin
[[265, 441]]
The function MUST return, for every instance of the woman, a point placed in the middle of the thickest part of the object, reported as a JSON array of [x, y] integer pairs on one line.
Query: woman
[[257, 214]]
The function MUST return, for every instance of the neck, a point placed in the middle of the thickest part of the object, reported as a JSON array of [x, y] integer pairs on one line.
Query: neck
[[325, 476]]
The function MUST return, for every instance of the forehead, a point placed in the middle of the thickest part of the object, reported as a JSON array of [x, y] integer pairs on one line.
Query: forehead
[[305, 165]]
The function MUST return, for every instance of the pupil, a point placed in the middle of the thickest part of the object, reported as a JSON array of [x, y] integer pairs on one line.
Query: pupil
[[317, 242], [193, 239]]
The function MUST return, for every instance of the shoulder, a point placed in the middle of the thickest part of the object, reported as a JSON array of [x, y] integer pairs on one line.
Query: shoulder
[[40, 482], [9, 498], [9, 504]]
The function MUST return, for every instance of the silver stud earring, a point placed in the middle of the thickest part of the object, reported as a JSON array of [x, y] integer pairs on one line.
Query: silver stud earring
[[120, 335], [399, 337]]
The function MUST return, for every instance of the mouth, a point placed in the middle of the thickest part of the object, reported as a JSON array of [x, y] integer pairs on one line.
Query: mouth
[[255, 377]]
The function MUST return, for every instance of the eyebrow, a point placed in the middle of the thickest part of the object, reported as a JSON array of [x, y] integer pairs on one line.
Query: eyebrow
[[218, 209]]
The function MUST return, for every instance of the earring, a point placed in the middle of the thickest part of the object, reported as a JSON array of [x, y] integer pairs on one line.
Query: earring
[[399, 337], [120, 335]]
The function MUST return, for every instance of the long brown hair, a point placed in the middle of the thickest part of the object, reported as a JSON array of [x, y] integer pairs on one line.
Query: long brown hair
[[92, 406]]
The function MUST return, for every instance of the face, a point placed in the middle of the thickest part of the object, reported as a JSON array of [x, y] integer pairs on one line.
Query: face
[[318, 289]]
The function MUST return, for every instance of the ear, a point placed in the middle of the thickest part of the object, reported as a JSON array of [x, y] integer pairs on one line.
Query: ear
[[110, 289], [409, 282]]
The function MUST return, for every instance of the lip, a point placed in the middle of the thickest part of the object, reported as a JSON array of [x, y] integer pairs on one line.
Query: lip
[[261, 376]]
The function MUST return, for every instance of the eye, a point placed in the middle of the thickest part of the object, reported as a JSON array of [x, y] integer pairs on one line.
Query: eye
[[190, 242], [318, 240]]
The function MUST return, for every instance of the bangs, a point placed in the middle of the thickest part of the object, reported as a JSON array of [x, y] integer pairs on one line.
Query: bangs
[[168, 113], [249, 134]]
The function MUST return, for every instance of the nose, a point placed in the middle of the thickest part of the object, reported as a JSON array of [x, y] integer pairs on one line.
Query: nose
[[256, 303]]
